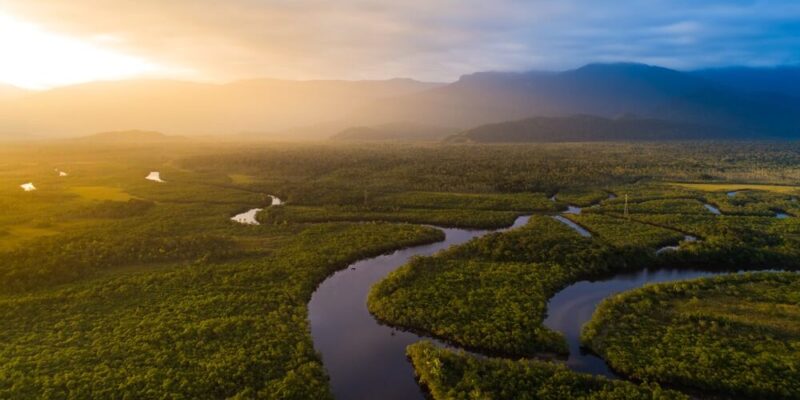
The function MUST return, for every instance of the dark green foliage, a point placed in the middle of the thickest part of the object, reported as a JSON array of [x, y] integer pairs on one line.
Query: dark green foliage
[[662, 206], [186, 331], [442, 217], [751, 202], [497, 287], [736, 335], [326, 175], [733, 242], [582, 197], [164, 296], [586, 128], [523, 202], [492, 306], [58, 260], [449, 375], [116, 209], [621, 232]]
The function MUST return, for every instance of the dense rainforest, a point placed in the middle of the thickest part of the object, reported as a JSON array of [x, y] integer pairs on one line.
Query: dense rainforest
[[112, 285], [739, 331], [450, 375]]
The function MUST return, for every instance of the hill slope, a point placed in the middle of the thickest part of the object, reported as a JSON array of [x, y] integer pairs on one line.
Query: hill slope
[[605, 90], [394, 132], [783, 80], [194, 108], [757, 103], [586, 128], [130, 136]]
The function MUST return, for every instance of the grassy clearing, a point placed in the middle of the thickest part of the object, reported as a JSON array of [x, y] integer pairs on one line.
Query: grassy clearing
[[13, 236], [242, 179], [101, 193], [582, 197], [524, 202], [731, 187], [482, 219], [662, 206]]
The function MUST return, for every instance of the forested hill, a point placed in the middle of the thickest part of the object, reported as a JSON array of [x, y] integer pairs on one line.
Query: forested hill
[[128, 136], [784, 80], [755, 103], [587, 128], [402, 132], [746, 101]]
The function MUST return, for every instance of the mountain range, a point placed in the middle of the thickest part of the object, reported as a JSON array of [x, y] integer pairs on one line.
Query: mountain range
[[190, 108], [737, 103], [398, 132], [587, 128], [606, 90], [9, 92]]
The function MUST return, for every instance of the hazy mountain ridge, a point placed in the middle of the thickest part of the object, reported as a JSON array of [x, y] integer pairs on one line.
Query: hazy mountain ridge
[[784, 80], [587, 128], [191, 108], [394, 132], [10, 92], [129, 136], [725, 99], [604, 90]]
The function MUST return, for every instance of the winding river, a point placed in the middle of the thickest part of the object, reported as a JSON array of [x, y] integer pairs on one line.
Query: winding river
[[366, 360], [573, 306]]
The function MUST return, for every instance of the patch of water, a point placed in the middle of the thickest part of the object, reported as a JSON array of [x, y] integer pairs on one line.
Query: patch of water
[[572, 210], [581, 231], [712, 209], [28, 187], [686, 239], [249, 217], [154, 176]]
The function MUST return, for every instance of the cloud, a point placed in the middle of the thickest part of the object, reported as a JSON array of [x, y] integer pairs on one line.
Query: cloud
[[426, 39]]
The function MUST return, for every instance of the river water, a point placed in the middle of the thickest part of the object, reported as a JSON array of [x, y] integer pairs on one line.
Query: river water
[[366, 360], [249, 217], [573, 307]]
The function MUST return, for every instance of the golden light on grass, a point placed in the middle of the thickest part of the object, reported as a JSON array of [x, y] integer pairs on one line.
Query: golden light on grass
[[101, 193], [36, 59], [729, 187]]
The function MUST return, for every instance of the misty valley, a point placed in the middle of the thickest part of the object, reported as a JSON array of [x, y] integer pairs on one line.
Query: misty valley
[[193, 268]]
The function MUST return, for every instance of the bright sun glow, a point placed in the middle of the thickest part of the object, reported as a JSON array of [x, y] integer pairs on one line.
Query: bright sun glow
[[36, 59]]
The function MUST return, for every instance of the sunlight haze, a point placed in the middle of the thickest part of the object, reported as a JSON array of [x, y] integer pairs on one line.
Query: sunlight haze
[[34, 58], [400, 200]]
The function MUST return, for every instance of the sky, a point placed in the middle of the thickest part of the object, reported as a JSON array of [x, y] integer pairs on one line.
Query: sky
[[47, 43]]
